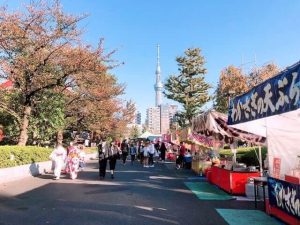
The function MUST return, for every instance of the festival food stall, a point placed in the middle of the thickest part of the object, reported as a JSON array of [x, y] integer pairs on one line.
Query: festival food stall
[[272, 109], [198, 147], [201, 159], [230, 176]]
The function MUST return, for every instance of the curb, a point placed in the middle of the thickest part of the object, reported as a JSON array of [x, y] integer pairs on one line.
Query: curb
[[29, 170]]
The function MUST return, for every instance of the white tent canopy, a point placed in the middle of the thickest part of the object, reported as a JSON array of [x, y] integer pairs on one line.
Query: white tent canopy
[[283, 137], [147, 134], [278, 119]]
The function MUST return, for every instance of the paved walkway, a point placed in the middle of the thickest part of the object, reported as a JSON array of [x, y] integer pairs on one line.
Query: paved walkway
[[137, 195]]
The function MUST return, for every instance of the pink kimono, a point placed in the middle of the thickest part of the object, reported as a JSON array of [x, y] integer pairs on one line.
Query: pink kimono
[[73, 160]]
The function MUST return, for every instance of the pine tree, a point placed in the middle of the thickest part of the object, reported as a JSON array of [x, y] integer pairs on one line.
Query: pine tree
[[189, 87]]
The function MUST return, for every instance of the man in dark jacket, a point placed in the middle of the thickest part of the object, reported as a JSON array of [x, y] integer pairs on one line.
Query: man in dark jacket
[[125, 150], [103, 149], [179, 161]]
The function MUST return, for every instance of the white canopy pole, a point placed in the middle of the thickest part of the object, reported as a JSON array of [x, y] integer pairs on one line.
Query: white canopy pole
[[233, 148]]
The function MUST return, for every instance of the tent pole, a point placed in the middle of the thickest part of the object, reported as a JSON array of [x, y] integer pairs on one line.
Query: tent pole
[[260, 161]]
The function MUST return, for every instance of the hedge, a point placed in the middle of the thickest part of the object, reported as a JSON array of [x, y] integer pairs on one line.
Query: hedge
[[20, 155], [246, 155]]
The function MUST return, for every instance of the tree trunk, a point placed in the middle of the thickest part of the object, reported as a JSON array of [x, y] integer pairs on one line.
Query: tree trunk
[[24, 127], [60, 137]]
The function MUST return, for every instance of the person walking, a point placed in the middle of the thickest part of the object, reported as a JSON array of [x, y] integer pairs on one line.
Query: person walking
[[125, 150], [141, 152], [58, 156], [151, 154], [73, 160], [179, 161], [103, 150], [112, 156], [146, 151], [82, 156], [132, 151], [163, 150]]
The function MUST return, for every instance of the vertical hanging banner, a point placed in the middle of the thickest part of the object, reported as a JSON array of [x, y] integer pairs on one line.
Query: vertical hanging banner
[[274, 96], [285, 196]]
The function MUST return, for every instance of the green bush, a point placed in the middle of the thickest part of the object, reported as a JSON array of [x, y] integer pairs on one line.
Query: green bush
[[246, 155], [251, 158], [20, 155]]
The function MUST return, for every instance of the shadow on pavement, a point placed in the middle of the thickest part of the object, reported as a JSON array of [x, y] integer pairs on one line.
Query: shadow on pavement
[[137, 195]]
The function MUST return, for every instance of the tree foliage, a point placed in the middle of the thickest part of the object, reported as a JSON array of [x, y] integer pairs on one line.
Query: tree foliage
[[42, 53], [134, 132], [233, 82], [258, 75], [48, 116], [189, 87]]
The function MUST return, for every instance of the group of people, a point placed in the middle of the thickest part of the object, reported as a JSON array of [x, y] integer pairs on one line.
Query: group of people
[[69, 161], [145, 151], [150, 152], [107, 152]]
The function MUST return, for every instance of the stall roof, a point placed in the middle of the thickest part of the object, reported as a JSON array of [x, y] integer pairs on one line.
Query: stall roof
[[213, 123], [201, 140]]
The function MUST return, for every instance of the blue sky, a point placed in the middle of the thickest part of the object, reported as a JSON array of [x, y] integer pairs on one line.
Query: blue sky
[[229, 32]]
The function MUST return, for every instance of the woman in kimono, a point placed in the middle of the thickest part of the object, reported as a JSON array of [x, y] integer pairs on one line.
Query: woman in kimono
[[73, 160], [58, 156]]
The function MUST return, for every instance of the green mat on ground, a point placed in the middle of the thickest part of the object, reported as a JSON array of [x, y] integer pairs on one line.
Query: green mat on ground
[[206, 191], [239, 217]]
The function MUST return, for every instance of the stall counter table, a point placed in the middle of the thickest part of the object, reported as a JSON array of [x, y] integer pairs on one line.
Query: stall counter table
[[233, 182]]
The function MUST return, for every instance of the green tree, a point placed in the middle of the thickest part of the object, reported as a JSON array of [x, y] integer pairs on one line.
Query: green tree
[[189, 87], [41, 49], [10, 111], [48, 116], [134, 132]]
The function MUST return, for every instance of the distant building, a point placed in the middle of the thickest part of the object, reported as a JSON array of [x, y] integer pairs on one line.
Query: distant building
[[164, 119], [173, 109], [153, 120], [159, 118], [138, 118]]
